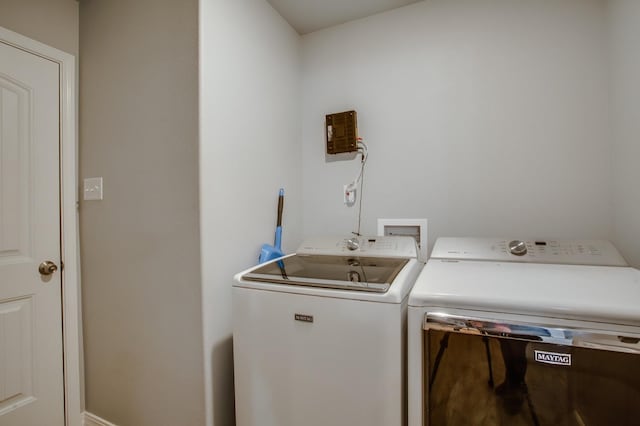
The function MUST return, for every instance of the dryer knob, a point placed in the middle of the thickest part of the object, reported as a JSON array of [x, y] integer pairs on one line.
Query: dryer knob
[[518, 248]]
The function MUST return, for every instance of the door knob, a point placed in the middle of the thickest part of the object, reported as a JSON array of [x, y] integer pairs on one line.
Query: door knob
[[47, 267]]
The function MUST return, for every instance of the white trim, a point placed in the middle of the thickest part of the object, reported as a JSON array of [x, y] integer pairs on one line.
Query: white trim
[[93, 420], [72, 333]]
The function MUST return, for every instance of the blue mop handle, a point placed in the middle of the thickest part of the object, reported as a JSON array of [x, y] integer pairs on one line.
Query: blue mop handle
[[278, 240]]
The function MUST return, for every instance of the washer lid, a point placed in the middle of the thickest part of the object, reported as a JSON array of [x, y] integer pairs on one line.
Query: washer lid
[[370, 274], [590, 293]]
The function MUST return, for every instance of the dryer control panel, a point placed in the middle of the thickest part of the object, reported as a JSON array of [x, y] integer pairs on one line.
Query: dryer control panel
[[567, 252], [386, 246]]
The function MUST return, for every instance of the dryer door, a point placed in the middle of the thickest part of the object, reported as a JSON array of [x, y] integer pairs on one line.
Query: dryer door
[[485, 372]]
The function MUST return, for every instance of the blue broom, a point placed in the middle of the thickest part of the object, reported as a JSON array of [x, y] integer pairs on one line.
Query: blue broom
[[269, 252]]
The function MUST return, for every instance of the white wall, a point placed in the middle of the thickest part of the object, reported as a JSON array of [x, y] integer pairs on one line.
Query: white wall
[[140, 246], [624, 21], [52, 22], [487, 118], [249, 148]]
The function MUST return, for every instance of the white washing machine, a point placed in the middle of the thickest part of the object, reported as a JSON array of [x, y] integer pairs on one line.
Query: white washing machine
[[524, 333], [319, 337]]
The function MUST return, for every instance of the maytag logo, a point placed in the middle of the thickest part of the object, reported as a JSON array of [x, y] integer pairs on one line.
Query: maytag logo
[[553, 358], [303, 317]]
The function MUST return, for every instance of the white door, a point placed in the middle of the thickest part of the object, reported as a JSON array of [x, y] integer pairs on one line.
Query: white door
[[31, 376]]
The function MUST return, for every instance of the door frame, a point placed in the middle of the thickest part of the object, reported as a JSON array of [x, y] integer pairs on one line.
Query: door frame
[[70, 274]]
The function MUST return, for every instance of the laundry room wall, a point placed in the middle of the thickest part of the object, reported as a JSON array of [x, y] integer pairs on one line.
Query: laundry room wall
[[52, 22], [140, 245], [624, 22], [249, 147], [488, 118]]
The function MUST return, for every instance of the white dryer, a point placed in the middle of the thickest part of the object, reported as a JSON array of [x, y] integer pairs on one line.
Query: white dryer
[[319, 337], [533, 332]]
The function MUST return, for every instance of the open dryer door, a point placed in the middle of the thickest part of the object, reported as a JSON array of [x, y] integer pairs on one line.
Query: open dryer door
[[480, 371]]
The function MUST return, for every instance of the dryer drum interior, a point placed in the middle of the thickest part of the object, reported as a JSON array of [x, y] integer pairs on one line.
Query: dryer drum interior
[[490, 373]]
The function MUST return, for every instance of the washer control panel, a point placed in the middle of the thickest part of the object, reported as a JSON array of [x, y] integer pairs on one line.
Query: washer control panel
[[387, 246], [569, 252]]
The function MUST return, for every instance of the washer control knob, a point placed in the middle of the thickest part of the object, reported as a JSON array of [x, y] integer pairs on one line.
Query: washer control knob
[[517, 247], [353, 244]]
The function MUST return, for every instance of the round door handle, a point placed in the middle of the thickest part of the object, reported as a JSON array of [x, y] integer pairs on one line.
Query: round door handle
[[47, 267]]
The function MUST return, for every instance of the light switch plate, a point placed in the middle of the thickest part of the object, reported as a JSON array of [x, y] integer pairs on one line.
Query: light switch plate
[[93, 188]]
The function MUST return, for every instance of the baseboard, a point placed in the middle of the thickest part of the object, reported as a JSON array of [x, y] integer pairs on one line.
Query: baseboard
[[93, 420]]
